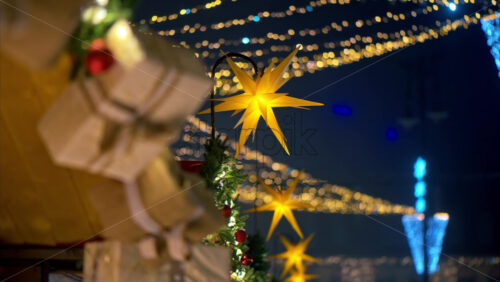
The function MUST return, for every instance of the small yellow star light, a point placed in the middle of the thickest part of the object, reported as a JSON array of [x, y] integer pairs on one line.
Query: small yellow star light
[[259, 98], [282, 205], [300, 276], [295, 256]]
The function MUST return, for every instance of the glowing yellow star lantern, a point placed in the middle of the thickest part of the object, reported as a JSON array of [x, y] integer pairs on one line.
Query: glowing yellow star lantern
[[259, 98], [300, 276], [295, 256], [282, 205]]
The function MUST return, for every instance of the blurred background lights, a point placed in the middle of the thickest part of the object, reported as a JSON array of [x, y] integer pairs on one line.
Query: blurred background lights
[[256, 18], [419, 168], [391, 134], [245, 40], [420, 205], [342, 110], [420, 189], [452, 6]]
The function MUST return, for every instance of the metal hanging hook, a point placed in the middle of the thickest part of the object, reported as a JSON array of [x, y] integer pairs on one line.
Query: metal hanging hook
[[212, 93]]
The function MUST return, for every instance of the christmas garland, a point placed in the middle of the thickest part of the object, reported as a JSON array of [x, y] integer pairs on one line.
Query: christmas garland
[[249, 255], [87, 46]]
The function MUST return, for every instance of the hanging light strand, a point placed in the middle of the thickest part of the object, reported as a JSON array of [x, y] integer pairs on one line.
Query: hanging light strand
[[357, 42], [257, 17], [325, 60], [184, 12], [331, 27]]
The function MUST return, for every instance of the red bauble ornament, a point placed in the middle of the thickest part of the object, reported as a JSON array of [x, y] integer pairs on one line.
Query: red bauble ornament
[[240, 236], [98, 61], [98, 44], [191, 166], [226, 211], [246, 259]]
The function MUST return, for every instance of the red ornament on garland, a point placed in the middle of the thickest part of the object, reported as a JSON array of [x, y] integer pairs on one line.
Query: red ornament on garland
[[226, 211], [192, 166], [98, 44], [246, 259], [240, 236], [98, 61]]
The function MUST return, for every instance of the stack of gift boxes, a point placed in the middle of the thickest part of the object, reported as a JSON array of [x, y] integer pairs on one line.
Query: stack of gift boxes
[[118, 124]]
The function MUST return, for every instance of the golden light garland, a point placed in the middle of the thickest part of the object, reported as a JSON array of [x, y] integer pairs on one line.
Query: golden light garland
[[184, 12], [290, 11], [332, 199], [327, 60], [333, 26], [351, 42]]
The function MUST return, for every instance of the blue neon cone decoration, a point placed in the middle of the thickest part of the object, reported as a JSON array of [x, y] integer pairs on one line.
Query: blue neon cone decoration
[[491, 27]]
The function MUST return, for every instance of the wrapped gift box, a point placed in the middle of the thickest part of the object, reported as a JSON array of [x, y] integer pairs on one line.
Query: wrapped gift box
[[113, 261], [116, 122], [147, 62], [35, 32], [167, 196]]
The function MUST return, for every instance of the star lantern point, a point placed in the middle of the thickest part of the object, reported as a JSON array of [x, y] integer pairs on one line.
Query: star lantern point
[[258, 99]]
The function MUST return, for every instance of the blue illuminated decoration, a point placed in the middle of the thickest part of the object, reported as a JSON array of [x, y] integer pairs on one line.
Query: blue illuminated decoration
[[419, 171], [188, 11], [420, 189], [256, 18], [342, 110], [245, 40], [420, 205], [452, 6], [309, 8], [391, 134], [419, 168], [491, 27], [436, 229], [413, 225]]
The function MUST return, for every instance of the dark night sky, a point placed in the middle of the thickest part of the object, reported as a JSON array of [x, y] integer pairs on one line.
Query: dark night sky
[[462, 151]]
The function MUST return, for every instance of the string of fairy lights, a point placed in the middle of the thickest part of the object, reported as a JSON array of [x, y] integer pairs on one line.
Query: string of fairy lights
[[185, 12], [292, 10], [355, 42], [354, 49], [291, 33], [330, 59], [322, 196], [359, 23]]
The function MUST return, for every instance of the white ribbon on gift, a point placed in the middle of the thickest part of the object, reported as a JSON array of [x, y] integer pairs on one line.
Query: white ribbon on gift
[[122, 117], [176, 245]]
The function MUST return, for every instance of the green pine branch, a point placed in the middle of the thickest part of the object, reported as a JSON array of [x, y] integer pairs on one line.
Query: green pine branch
[[222, 176]]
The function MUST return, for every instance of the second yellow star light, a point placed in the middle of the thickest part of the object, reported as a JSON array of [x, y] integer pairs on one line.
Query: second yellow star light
[[295, 256], [259, 99], [282, 205]]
